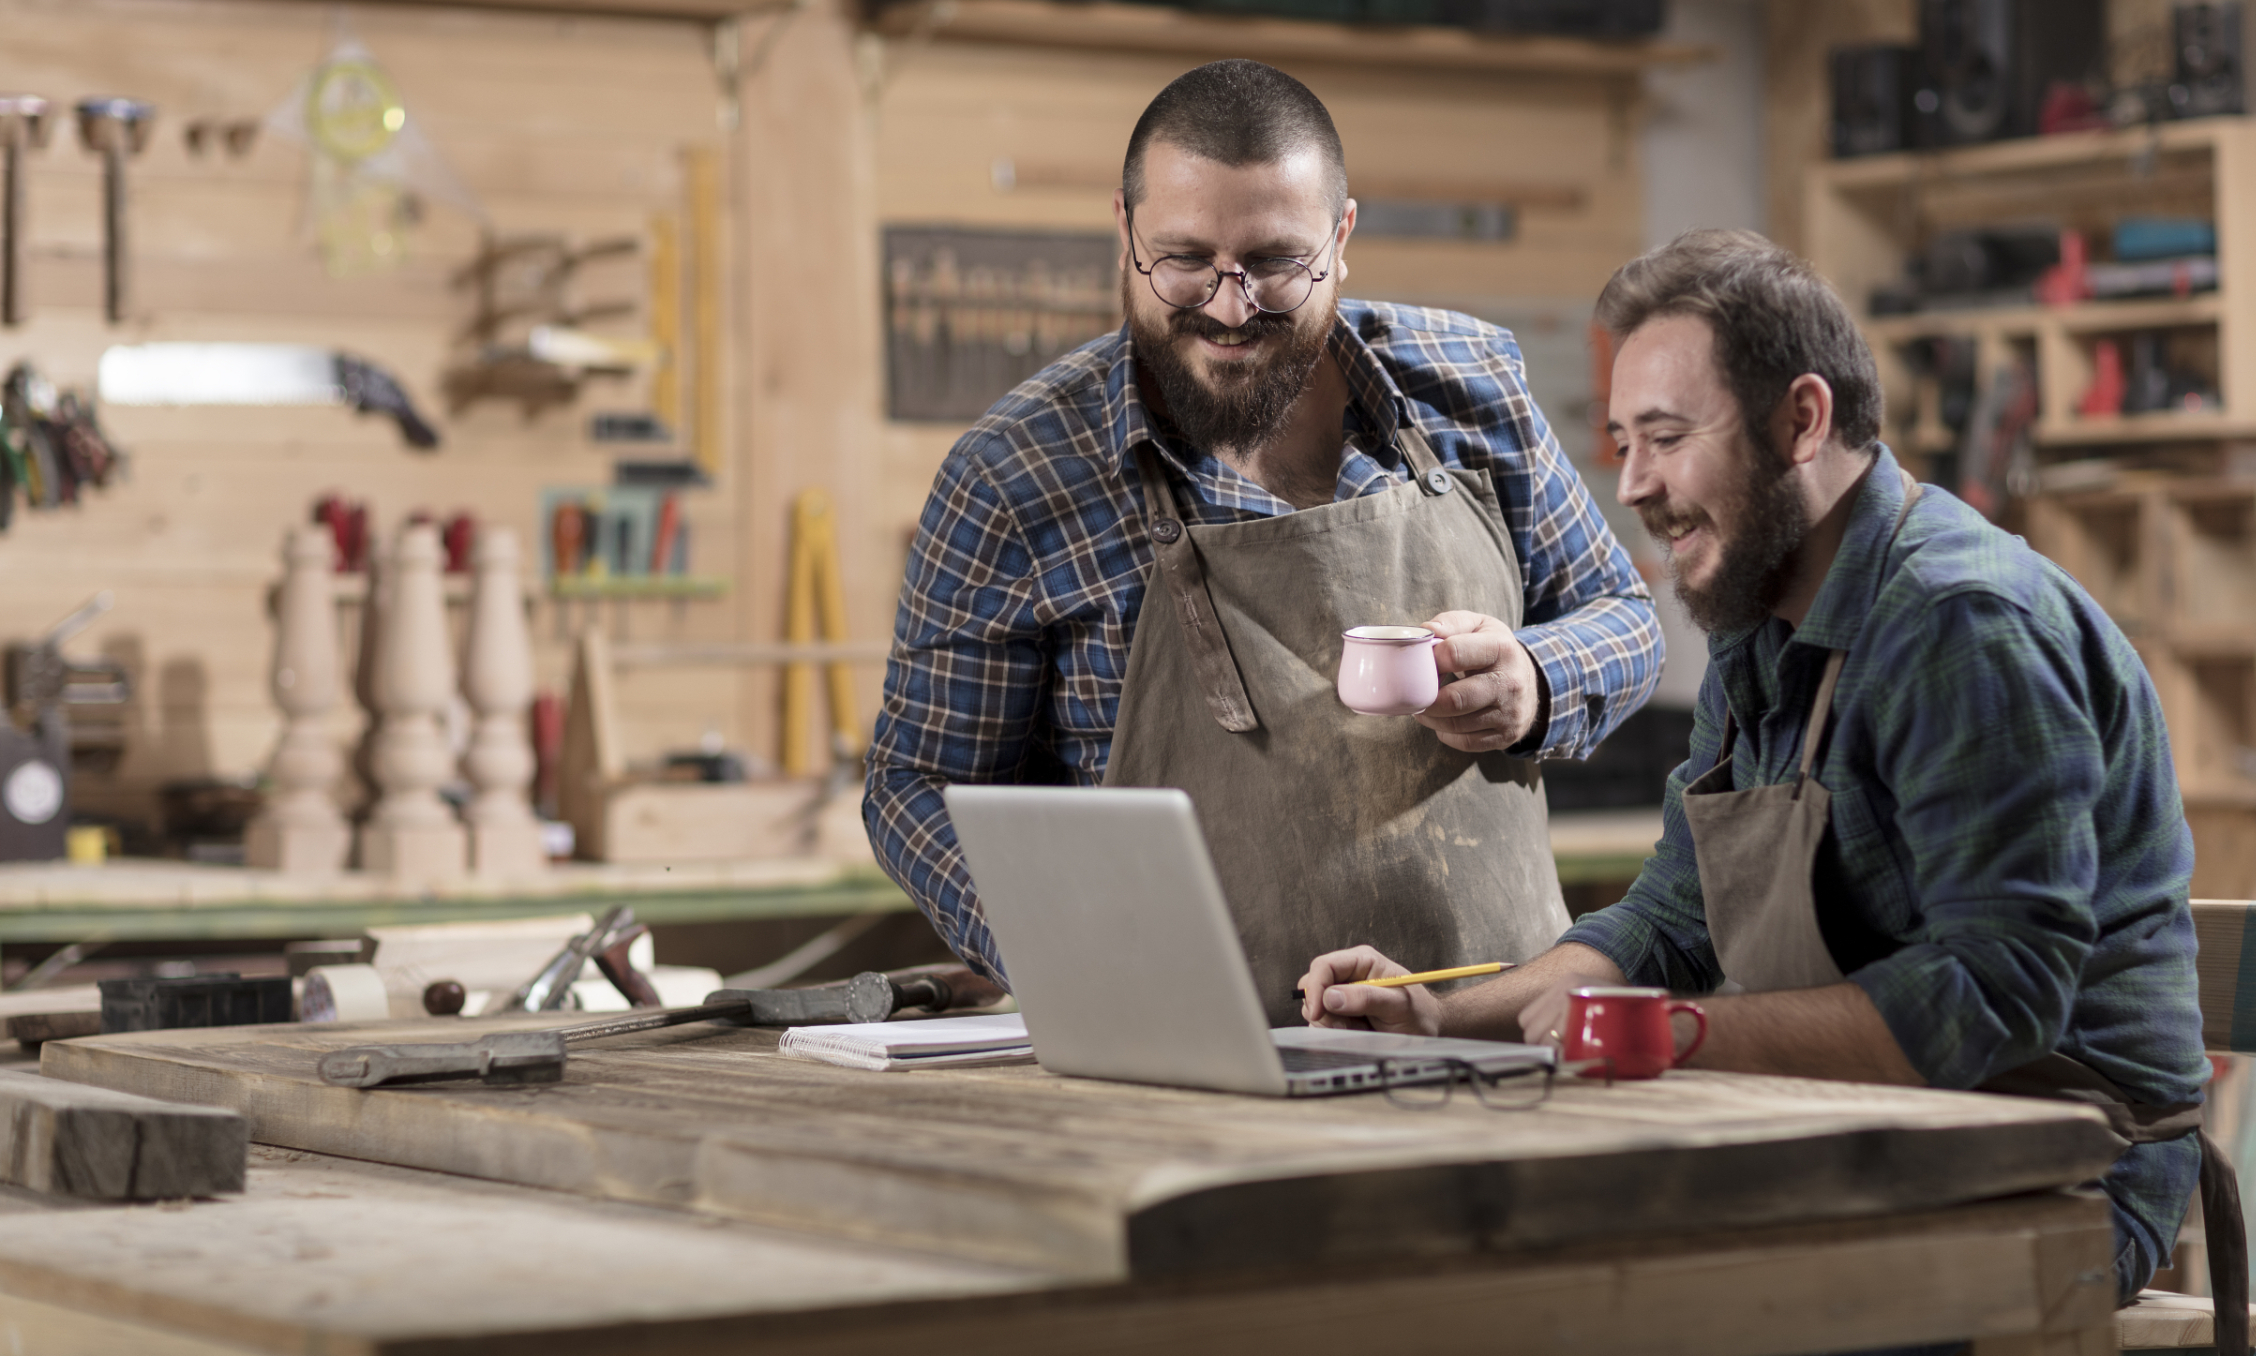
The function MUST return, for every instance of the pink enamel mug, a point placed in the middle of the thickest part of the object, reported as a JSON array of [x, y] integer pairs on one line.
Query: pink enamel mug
[[1388, 670]]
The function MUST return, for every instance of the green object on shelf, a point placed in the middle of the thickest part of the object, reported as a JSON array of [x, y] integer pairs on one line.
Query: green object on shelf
[[638, 586]]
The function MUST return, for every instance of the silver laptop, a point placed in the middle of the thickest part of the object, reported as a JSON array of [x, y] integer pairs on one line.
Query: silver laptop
[[1126, 964]]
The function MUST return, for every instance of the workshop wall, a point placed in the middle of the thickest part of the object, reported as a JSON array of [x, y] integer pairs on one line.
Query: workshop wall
[[829, 135], [1028, 138], [571, 126]]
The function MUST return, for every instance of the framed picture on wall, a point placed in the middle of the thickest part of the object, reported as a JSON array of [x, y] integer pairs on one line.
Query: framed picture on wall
[[971, 313]]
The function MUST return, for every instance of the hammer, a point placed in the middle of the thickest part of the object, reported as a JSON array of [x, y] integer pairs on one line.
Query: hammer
[[23, 126], [118, 129]]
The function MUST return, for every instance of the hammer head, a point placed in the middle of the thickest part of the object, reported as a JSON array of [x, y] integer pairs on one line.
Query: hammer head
[[23, 121], [115, 124]]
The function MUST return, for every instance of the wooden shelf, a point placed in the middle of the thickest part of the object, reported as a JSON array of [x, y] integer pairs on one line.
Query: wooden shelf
[[2090, 317], [2154, 313], [2067, 150], [2226, 795], [2160, 426], [1156, 28], [639, 586], [2213, 640]]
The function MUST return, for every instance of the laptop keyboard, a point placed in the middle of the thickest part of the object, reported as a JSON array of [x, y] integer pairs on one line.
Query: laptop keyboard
[[1300, 1060]]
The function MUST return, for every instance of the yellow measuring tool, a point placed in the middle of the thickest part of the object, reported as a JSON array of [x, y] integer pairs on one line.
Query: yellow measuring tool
[[815, 602]]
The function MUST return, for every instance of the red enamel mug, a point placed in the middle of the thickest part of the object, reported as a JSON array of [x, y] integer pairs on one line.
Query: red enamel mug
[[1628, 1030]]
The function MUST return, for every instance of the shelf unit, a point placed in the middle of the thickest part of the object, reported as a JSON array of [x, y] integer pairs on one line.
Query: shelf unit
[[2171, 556], [1865, 216]]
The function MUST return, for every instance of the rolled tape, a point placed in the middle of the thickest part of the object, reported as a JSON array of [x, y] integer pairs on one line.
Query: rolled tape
[[344, 993]]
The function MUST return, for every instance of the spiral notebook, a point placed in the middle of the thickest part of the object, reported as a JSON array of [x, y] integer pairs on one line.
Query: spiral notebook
[[939, 1042]]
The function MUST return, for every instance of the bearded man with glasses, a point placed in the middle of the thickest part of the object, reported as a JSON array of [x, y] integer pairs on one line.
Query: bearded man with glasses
[[1268, 465]]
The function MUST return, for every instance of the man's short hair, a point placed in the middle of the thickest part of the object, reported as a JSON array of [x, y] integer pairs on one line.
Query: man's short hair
[[1236, 113], [1774, 319]]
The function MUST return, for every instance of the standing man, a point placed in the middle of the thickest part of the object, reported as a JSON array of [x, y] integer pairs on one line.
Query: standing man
[[1929, 825], [1269, 465]]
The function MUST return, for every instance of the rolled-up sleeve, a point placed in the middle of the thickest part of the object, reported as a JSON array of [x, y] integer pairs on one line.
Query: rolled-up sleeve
[[1588, 621], [1658, 933], [1995, 784], [962, 689]]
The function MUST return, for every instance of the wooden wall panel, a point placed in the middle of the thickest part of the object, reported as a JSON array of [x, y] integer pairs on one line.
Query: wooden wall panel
[[556, 123], [576, 124], [946, 113], [809, 383]]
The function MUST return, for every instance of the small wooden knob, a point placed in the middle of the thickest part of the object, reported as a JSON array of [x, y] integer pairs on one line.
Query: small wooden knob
[[444, 999]]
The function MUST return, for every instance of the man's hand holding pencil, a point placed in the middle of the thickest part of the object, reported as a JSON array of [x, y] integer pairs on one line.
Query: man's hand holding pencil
[[1361, 990]]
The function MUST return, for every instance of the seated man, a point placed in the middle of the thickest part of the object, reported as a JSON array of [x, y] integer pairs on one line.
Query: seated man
[[1268, 465], [1929, 824]]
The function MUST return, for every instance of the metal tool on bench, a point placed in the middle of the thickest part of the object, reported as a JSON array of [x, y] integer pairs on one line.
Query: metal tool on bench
[[538, 1056], [23, 127], [551, 988], [117, 130]]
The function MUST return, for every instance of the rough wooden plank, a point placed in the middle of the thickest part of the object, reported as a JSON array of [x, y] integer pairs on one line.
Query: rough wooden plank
[[34, 1325], [343, 1257], [1105, 1180], [34, 1028], [2163, 1319], [74, 1140]]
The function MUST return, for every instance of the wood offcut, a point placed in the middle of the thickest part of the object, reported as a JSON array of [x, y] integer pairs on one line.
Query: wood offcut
[[72, 1140]]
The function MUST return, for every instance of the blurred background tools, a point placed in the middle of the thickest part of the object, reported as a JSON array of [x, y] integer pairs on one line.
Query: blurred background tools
[[35, 741], [51, 446], [23, 127], [117, 130], [258, 374], [538, 1056]]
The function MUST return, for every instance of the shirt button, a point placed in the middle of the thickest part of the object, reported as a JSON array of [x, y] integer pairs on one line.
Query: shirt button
[[1167, 531]]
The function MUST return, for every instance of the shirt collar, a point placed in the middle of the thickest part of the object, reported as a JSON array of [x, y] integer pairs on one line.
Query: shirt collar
[[1370, 390], [1852, 583]]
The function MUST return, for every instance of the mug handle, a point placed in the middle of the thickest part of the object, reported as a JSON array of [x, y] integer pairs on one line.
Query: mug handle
[[1700, 1016]]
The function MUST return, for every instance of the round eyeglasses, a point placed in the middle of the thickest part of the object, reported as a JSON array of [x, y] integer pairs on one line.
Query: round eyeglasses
[[1410, 1082], [1275, 284]]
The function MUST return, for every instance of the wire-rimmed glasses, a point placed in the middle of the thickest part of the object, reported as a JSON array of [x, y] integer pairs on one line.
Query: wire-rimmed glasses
[[1275, 284], [1407, 1082]]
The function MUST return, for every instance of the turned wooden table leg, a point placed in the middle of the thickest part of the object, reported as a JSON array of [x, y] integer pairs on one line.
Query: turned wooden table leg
[[497, 680], [299, 828], [411, 832]]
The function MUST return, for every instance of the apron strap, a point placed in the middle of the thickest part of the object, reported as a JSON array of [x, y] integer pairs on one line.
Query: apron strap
[[1819, 710], [2226, 1233], [2064, 1078], [1183, 575]]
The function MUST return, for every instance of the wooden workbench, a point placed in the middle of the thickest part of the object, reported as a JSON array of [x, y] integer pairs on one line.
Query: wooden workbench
[[1026, 1212], [348, 1258]]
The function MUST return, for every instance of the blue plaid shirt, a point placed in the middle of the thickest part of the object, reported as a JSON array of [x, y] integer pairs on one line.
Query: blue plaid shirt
[[1029, 564], [2007, 869]]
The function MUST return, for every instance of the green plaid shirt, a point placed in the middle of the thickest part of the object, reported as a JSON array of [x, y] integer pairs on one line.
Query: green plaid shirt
[[2007, 869]]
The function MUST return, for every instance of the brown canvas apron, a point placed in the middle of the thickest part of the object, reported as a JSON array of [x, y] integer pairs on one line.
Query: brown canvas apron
[[1330, 829], [1756, 850]]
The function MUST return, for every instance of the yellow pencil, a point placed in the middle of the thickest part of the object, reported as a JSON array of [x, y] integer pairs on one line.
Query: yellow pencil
[[1435, 976]]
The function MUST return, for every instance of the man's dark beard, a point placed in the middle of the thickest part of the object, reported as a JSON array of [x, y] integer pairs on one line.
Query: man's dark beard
[[1756, 562], [1251, 405]]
